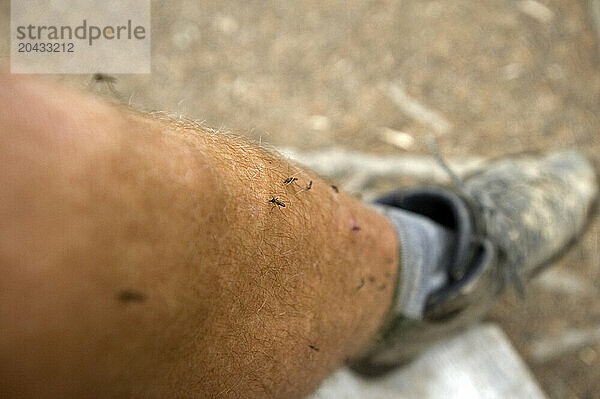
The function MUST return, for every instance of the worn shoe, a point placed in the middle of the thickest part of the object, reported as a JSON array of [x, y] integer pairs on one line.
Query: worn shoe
[[510, 220]]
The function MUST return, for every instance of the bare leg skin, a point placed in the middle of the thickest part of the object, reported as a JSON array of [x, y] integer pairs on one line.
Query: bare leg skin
[[148, 258]]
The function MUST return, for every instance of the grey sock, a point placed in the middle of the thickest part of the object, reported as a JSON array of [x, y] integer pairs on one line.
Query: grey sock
[[425, 247]]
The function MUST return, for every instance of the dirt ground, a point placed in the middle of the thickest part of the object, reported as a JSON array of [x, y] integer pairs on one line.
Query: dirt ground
[[504, 76]]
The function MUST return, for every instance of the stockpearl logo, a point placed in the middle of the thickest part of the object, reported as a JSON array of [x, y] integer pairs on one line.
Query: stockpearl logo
[[68, 36]]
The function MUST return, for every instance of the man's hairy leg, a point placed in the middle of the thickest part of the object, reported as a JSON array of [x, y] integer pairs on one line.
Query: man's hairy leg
[[148, 257]]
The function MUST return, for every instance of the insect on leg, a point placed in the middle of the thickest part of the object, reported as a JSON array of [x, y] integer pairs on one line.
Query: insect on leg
[[276, 201], [109, 81], [308, 187]]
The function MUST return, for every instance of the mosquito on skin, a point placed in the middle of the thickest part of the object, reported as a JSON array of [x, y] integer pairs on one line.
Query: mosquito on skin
[[277, 202], [291, 179], [108, 80], [308, 187], [101, 77]]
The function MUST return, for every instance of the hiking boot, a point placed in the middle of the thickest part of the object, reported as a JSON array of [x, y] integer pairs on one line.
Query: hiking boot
[[510, 220]]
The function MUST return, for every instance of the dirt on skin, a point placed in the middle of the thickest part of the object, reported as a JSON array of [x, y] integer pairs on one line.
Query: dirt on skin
[[505, 76]]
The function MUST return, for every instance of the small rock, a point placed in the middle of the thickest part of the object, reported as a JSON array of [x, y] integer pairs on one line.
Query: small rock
[[536, 10], [397, 138], [320, 123]]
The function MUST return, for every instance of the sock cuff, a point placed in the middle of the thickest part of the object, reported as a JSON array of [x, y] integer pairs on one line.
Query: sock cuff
[[424, 249]]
